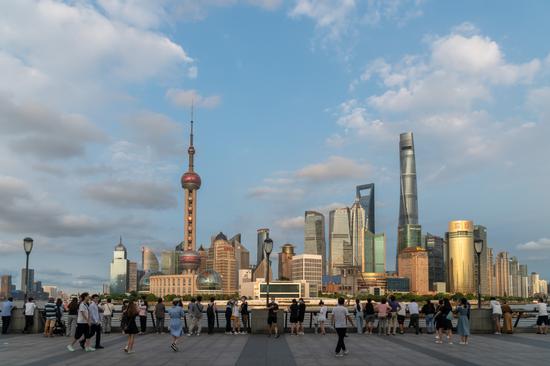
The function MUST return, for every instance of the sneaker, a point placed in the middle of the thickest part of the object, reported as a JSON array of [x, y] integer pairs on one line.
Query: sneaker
[[339, 355], [346, 352], [70, 348], [90, 349], [131, 351], [174, 347], [278, 335], [189, 334]]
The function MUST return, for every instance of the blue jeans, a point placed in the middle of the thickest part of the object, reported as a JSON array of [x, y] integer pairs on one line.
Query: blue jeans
[[429, 323], [360, 322]]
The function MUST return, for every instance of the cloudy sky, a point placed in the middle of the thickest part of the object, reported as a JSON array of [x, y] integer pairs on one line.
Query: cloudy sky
[[297, 102]]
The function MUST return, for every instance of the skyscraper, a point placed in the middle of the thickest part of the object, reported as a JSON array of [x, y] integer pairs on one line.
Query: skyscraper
[[119, 270], [285, 258], [436, 259], [262, 235], [413, 264], [168, 262], [221, 259], [374, 252], [409, 231], [149, 261], [460, 266], [524, 280], [133, 274], [242, 255], [5, 286], [502, 274], [480, 233], [308, 267], [367, 203], [514, 277], [314, 235], [358, 234], [339, 240], [24, 281]]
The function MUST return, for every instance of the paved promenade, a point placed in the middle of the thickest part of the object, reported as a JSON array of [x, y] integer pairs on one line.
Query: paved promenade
[[219, 349]]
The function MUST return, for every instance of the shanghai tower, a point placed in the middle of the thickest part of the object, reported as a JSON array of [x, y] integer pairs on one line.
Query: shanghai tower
[[409, 231]]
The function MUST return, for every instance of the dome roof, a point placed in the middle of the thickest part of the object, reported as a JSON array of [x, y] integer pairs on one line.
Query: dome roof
[[145, 281], [220, 236], [209, 281], [190, 180]]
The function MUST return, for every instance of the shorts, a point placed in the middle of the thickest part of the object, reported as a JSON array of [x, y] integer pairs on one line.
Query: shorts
[[370, 318], [496, 317], [82, 329], [542, 319], [301, 318], [271, 319], [233, 317], [446, 324], [293, 319], [401, 319]]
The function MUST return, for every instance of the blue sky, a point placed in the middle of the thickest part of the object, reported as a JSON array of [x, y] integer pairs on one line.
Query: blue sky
[[296, 103]]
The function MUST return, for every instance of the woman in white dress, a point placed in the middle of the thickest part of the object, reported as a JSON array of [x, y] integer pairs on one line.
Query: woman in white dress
[[322, 318]]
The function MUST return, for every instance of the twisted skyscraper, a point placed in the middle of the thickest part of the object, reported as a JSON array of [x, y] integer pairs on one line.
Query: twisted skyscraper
[[409, 231]]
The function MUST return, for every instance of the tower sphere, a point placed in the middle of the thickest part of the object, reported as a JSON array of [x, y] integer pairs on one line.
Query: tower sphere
[[190, 260], [191, 181], [209, 280]]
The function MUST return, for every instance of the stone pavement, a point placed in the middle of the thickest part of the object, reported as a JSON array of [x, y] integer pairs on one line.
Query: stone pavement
[[220, 349]]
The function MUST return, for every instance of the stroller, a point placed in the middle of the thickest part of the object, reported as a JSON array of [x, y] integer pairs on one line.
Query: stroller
[[59, 328]]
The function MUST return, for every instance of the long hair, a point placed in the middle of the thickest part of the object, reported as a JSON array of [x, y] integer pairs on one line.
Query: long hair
[[132, 309]]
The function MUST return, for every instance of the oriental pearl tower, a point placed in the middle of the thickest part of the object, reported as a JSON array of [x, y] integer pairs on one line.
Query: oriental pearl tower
[[190, 182]]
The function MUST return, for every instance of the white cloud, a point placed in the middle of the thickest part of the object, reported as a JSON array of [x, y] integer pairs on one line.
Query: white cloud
[[542, 244], [291, 223], [185, 98], [334, 168]]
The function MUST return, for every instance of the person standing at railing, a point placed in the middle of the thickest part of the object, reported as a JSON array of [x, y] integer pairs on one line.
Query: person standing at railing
[[272, 310], [301, 315], [542, 319], [30, 307], [359, 318], [507, 316], [176, 313], [108, 309], [463, 326], [160, 309], [383, 310], [395, 307], [340, 317], [235, 318], [322, 317], [245, 314], [228, 313], [369, 315], [142, 315], [293, 311], [429, 310], [497, 313], [211, 314], [7, 308], [415, 316]]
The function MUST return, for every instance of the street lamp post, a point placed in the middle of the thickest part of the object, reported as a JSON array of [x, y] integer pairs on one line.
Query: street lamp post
[[268, 247], [27, 246], [478, 247]]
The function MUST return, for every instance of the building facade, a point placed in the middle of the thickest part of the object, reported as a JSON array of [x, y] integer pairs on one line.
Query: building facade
[[168, 262], [374, 252], [502, 274], [309, 268], [314, 235], [221, 259], [24, 281], [5, 286], [486, 264], [436, 259], [413, 264], [285, 259], [460, 266], [177, 284], [149, 261], [340, 247], [242, 255], [261, 235]]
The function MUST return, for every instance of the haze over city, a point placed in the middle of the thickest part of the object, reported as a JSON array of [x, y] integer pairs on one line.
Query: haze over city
[[296, 103]]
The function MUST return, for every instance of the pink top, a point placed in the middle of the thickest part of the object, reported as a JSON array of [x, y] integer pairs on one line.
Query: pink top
[[142, 310], [383, 310]]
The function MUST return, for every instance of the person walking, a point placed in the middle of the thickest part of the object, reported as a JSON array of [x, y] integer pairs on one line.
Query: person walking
[[197, 316], [369, 315], [245, 315], [82, 324], [428, 309], [301, 316], [30, 307], [124, 316], [228, 314], [132, 312], [322, 318], [176, 313], [395, 307], [211, 311], [235, 318], [507, 318], [340, 317], [7, 308], [444, 322], [293, 312], [95, 322], [359, 317], [414, 314], [383, 310], [542, 319], [108, 310], [50, 313], [497, 314], [191, 314], [272, 310], [160, 311], [463, 326], [143, 306]]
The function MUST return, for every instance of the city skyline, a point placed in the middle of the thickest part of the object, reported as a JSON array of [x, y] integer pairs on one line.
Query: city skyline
[[92, 143]]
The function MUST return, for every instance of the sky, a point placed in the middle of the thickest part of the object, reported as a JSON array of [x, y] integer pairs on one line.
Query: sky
[[296, 103]]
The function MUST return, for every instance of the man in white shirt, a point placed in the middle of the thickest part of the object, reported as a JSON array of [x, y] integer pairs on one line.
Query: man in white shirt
[[542, 319], [95, 324], [415, 315], [83, 324], [340, 315], [30, 306], [497, 313]]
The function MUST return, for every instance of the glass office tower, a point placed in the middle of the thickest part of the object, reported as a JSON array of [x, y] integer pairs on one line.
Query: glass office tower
[[340, 248], [314, 235]]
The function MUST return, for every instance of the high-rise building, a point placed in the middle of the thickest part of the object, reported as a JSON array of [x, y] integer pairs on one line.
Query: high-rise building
[[436, 259], [340, 248], [502, 274], [480, 233], [374, 252], [51, 290], [242, 255], [308, 267], [514, 277], [409, 232], [460, 266], [149, 261], [534, 284], [314, 235], [221, 259], [204, 257], [358, 233], [285, 258], [24, 282], [133, 276], [119, 270], [262, 235], [524, 274], [366, 201], [413, 264], [5, 286], [168, 262]]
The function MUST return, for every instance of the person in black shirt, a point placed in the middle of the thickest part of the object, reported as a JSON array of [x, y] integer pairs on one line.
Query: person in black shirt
[[293, 310], [429, 311], [272, 309], [301, 315], [369, 315], [211, 314], [245, 314]]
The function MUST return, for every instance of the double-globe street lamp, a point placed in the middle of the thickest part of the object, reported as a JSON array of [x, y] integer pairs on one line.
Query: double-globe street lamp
[[268, 248], [478, 247], [27, 246]]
